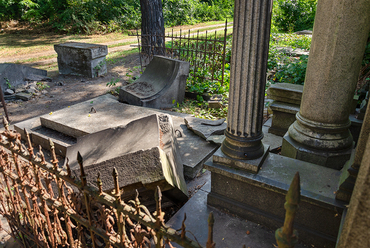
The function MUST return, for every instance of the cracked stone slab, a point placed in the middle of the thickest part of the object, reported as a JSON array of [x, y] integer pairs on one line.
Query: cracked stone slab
[[144, 152], [205, 128]]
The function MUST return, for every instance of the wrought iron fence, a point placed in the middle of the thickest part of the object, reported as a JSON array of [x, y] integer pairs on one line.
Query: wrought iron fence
[[47, 206], [205, 52]]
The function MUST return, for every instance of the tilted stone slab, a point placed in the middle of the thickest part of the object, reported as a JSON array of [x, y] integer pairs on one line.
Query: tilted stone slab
[[205, 128], [81, 59], [285, 92], [162, 84], [16, 75], [77, 121], [144, 152]]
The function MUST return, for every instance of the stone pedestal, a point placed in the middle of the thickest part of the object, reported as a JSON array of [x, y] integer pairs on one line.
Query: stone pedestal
[[251, 26], [338, 43], [81, 59]]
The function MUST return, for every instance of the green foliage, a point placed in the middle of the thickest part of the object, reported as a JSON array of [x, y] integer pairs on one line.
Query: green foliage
[[42, 85], [294, 15], [89, 16]]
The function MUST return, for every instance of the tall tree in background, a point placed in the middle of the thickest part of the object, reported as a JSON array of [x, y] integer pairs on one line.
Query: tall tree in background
[[152, 27]]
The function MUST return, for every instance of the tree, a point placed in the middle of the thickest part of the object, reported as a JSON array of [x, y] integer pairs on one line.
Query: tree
[[152, 27]]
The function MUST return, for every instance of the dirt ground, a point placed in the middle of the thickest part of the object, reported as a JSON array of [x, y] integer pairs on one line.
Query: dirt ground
[[74, 90]]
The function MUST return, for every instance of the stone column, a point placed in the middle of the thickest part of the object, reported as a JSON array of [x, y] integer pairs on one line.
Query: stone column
[[320, 134], [251, 35]]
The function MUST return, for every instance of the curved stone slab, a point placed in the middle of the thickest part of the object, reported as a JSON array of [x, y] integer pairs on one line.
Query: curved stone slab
[[161, 85]]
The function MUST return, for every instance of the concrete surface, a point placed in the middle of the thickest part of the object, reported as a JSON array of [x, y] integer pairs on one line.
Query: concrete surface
[[85, 59], [162, 84]]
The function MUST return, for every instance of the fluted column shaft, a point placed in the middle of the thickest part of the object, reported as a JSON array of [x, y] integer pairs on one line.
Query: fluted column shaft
[[251, 34]]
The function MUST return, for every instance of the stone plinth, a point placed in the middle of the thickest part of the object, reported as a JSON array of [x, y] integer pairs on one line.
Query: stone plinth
[[144, 152], [162, 84], [283, 116], [260, 198], [285, 92], [332, 71], [81, 59]]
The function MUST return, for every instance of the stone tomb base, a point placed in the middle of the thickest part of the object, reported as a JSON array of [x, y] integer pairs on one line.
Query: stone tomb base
[[260, 197], [144, 152], [81, 59]]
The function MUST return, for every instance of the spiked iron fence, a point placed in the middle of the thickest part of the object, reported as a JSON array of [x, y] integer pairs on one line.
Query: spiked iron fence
[[205, 52], [46, 206]]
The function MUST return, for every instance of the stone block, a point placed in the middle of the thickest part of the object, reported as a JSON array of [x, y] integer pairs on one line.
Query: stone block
[[162, 84], [283, 117], [285, 92], [332, 159], [81, 59], [144, 152], [16, 75], [260, 198]]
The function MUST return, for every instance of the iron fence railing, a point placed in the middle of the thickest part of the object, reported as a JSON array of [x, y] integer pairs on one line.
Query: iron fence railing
[[47, 206], [206, 52]]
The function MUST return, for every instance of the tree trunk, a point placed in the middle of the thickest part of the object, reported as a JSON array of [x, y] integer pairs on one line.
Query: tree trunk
[[152, 27]]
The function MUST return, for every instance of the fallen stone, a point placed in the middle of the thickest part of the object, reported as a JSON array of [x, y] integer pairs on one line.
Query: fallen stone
[[15, 74], [23, 96], [59, 84], [309, 32], [216, 139], [162, 84], [144, 152], [205, 128], [297, 52], [35, 77], [8, 92], [214, 104], [81, 59]]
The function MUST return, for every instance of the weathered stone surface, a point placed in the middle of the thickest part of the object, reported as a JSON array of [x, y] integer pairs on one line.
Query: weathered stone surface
[[76, 122], [143, 152], [162, 84], [23, 96], [260, 198], [36, 77], [217, 139], [295, 52], [285, 92], [304, 32], [8, 92], [205, 128], [15, 74], [356, 228], [81, 59], [323, 120], [283, 116]]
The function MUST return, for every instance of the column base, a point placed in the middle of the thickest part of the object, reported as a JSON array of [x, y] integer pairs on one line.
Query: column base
[[252, 165], [331, 159]]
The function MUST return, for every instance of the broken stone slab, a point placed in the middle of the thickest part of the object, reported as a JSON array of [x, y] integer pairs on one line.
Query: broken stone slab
[[76, 122], [205, 128], [297, 52], [162, 84], [144, 152], [23, 96], [81, 59], [285, 92], [35, 77], [13, 75]]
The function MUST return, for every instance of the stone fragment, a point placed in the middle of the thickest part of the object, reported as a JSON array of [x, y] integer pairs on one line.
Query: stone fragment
[[35, 77], [8, 92], [162, 84], [214, 104], [216, 139], [205, 128], [23, 96], [13, 75], [144, 152], [81, 59]]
